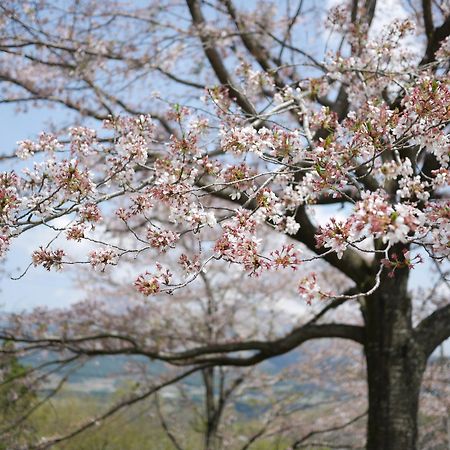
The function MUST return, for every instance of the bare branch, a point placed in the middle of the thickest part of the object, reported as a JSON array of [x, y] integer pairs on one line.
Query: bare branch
[[215, 59], [433, 330]]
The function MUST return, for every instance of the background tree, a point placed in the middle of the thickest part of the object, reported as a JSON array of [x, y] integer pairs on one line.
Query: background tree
[[206, 313], [17, 397], [282, 127]]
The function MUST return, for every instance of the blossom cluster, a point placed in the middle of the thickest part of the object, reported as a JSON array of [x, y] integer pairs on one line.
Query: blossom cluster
[[238, 243], [101, 258], [162, 239], [374, 216], [48, 258], [386, 157], [151, 283]]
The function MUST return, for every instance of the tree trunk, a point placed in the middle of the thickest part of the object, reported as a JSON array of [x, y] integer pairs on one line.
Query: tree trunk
[[212, 413], [395, 366]]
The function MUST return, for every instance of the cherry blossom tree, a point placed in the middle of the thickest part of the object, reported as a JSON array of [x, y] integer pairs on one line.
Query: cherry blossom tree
[[224, 120], [218, 308]]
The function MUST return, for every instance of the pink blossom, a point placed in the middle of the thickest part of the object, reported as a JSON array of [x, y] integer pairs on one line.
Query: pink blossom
[[4, 244], [48, 258], [101, 258], [288, 256], [147, 285], [90, 212], [162, 239], [76, 232]]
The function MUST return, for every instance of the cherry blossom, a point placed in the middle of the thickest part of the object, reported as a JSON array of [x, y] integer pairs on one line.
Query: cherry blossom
[[48, 258], [101, 258], [257, 129]]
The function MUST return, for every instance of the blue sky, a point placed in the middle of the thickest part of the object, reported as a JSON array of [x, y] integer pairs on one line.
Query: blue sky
[[38, 287]]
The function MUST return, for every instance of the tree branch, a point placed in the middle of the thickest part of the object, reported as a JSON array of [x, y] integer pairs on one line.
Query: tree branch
[[128, 402], [297, 443], [260, 53], [215, 59], [269, 349], [165, 425], [428, 19], [433, 330], [208, 354], [437, 37]]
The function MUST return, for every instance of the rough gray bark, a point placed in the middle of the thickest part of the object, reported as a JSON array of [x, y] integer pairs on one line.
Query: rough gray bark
[[395, 365]]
